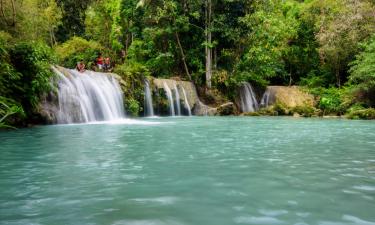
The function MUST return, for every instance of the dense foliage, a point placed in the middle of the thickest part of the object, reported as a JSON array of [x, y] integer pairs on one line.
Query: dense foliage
[[24, 78], [363, 71], [217, 44]]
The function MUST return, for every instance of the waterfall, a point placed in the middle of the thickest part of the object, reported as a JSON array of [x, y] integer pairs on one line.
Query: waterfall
[[248, 100], [265, 99], [88, 97], [168, 92], [177, 99], [149, 110], [186, 102]]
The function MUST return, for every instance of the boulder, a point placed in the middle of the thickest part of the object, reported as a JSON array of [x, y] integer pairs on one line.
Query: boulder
[[201, 109], [288, 96], [226, 109]]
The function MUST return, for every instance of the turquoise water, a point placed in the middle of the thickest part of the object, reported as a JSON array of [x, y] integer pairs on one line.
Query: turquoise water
[[198, 171]]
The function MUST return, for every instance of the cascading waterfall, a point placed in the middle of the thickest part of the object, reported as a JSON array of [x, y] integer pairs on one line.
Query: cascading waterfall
[[265, 99], [149, 110], [248, 100], [186, 102], [177, 99], [88, 97], [170, 99]]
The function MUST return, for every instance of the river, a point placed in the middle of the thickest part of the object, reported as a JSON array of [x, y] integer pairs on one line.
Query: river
[[190, 171]]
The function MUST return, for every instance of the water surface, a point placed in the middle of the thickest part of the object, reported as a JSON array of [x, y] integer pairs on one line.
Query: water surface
[[196, 171]]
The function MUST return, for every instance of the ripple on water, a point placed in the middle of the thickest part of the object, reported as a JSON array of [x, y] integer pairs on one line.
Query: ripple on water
[[257, 220], [147, 222], [357, 220], [272, 213], [364, 188], [165, 200]]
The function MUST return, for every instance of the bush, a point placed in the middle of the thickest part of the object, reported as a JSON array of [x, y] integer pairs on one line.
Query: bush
[[365, 114], [333, 100], [24, 77], [132, 106], [9, 109], [133, 75], [305, 111], [76, 49], [32, 61], [362, 72], [281, 109]]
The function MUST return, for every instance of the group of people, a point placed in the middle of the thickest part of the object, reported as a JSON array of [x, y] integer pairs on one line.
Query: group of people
[[100, 64], [103, 63]]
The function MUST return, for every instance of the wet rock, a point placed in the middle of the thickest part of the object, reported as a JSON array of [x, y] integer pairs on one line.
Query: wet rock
[[226, 109], [201, 109], [48, 108]]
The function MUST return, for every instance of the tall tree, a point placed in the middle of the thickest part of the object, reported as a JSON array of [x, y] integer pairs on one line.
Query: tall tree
[[74, 12], [340, 26]]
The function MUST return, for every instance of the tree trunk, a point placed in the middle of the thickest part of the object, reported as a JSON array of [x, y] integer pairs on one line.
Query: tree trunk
[[337, 72], [14, 13], [183, 56], [338, 80], [208, 49], [13, 22]]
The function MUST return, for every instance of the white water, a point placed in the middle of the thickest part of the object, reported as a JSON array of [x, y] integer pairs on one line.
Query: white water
[[149, 110], [168, 92], [177, 99], [88, 97], [248, 100], [265, 99], [186, 102]]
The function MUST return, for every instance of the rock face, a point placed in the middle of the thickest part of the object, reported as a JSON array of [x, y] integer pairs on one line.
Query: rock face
[[48, 108], [289, 96], [201, 109], [169, 92], [226, 109], [182, 95]]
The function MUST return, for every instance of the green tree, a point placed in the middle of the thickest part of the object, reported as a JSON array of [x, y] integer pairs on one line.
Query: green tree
[[340, 26], [362, 71], [271, 28], [73, 18]]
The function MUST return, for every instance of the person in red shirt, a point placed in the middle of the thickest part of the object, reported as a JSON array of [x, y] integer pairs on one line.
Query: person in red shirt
[[100, 61]]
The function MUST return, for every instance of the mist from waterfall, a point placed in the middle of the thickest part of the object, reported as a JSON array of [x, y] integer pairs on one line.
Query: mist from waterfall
[[149, 110], [88, 97], [168, 92], [248, 101]]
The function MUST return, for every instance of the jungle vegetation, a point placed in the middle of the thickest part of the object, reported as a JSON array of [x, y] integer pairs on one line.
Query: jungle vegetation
[[326, 45]]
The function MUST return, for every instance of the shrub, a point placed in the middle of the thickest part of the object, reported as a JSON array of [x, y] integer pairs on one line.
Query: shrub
[[365, 114], [24, 77], [9, 109], [281, 109], [132, 106], [305, 111], [133, 75], [32, 62], [362, 72], [333, 100], [76, 49]]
